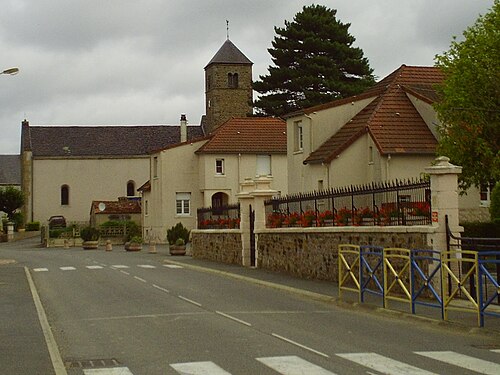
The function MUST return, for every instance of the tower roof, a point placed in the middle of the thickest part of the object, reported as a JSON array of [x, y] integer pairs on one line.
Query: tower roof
[[229, 54]]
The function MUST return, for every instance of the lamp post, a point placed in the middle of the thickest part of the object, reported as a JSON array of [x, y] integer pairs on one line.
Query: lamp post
[[11, 71]]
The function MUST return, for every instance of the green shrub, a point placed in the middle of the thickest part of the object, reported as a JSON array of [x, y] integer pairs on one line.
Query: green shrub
[[180, 242], [33, 226], [133, 230], [483, 230], [177, 231], [89, 234], [495, 204], [136, 239], [18, 219]]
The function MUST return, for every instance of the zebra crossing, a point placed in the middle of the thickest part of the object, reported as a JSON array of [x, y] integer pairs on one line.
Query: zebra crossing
[[100, 267], [294, 365]]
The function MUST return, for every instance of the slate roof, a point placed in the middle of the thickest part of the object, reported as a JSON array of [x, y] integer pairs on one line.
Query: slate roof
[[229, 54], [10, 170], [248, 135], [391, 119], [111, 141], [117, 207]]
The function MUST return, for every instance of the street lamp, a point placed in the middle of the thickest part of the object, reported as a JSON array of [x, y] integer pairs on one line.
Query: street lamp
[[11, 71]]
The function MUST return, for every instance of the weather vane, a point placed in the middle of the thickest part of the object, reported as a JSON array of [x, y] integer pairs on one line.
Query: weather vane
[[227, 29]]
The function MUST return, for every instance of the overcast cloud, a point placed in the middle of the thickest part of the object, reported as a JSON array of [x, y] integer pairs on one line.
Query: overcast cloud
[[129, 62]]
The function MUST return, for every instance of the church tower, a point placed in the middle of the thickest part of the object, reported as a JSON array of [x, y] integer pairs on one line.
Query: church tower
[[228, 86]]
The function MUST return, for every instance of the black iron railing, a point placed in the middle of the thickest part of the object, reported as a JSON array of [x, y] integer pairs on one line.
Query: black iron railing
[[388, 203], [223, 217]]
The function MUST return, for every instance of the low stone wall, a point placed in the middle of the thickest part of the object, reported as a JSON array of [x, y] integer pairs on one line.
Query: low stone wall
[[217, 245], [312, 253]]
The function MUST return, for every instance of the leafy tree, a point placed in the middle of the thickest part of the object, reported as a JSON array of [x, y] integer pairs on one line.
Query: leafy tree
[[315, 63], [469, 109], [10, 200]]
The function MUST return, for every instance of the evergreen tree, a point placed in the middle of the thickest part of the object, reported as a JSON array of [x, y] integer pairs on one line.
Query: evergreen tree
[[314, 63], [469, 108], [10, 200]]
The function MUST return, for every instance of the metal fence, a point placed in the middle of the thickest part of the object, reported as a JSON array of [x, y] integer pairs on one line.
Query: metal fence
[[423, 277], [388, 203], [223, 217]]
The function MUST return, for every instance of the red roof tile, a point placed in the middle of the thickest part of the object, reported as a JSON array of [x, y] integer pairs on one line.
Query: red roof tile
[[391, 119], [248, 135]]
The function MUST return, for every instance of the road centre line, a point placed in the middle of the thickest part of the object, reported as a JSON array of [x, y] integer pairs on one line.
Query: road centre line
[[160, 288], [300, 345], [124, 272], [189, 300], [233, 318], [140, 279]]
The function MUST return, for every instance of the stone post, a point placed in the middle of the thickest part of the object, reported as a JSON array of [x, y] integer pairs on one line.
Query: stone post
[[444, 193], [245, 200], [10, 231]]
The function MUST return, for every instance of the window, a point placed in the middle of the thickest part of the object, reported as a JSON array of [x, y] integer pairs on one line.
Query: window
[[219, 166], [130, 189], [485, 193], [146, 211], [155, 166], [299, 136], [183, 203], [64, 195], [232, 80], [263, 165]]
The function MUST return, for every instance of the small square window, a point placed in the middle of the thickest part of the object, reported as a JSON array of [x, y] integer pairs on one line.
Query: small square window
[[183, 203], [219, 166]]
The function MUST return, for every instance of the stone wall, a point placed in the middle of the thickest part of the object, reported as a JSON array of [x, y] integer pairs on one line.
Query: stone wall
[[217, 245], [312, 253]]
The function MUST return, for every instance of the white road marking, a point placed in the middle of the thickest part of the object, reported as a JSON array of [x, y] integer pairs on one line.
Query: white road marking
[[495, 350], [300, 345], [233, 318], [94, 267], [464, 361], [190, 301], [140, 279], [119, 266], [108, 371], [124, 272], [67, 268], [293, 365], [160, 288], [40, 269], [146, 266], [172, 266], [383, 364], [198, 368]]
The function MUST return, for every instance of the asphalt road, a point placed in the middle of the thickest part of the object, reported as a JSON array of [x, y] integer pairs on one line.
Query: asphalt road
[[132, 313]]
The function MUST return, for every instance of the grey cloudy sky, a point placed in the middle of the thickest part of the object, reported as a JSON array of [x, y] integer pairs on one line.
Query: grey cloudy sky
[[128, 62]]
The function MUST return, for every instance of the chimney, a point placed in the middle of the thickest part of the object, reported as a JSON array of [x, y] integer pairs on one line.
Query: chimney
[[183, 128]]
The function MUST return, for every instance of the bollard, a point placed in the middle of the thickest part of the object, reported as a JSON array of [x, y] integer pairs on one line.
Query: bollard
[[66, 244], [152, 247], [109, 246]]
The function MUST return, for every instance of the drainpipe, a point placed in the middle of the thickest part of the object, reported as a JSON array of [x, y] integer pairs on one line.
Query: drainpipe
[[387, 169]]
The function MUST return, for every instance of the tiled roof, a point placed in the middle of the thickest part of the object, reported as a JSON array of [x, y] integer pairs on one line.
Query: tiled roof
[[10, 170], [117, 207], [248, 135], [113, 141], [229, 54], [391, 119]]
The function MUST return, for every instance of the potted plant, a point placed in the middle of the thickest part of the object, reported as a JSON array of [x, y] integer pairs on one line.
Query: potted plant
[[177, 237], [135, 244], [90, 238]]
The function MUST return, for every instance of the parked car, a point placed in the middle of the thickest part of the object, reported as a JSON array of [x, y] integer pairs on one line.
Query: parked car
[[57, 222]]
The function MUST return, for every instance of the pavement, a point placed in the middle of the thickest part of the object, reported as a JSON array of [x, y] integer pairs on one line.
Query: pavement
[[21, 330]]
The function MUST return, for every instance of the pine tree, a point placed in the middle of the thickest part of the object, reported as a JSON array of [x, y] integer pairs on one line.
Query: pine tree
[[314, 63]]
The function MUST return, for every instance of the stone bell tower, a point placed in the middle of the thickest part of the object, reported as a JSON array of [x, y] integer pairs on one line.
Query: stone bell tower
[[228, 86]]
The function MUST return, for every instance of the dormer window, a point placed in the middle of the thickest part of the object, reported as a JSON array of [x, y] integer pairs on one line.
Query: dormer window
[[232, 80]]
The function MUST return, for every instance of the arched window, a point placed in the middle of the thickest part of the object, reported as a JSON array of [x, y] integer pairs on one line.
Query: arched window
[[131, 189], [232, 80], [64, 195]]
